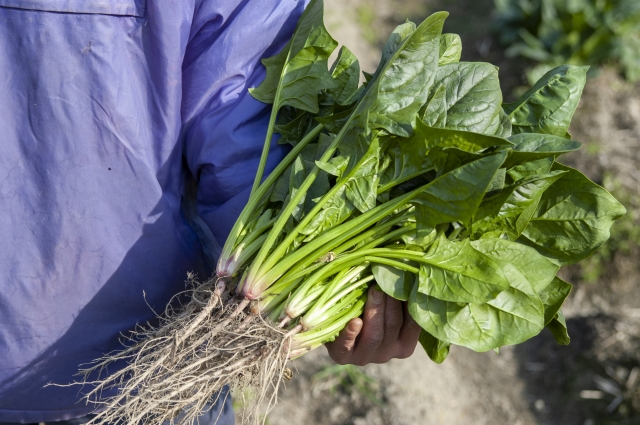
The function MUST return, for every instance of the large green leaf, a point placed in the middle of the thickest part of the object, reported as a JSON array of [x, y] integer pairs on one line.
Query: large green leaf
[[573, 218], [549, 105], [534, 146], [514, 316], [519, 262], [473, 96], [456, 195], [297, 74], [405, 78], [458, 272], [509, 211]]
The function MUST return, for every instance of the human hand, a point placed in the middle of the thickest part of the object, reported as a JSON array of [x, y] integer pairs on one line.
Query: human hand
[[386, 331]]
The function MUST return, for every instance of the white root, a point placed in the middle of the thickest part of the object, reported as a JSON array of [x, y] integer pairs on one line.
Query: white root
[[181, 366]]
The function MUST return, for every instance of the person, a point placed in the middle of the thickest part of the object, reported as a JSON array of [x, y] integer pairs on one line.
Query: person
[[107, 109]]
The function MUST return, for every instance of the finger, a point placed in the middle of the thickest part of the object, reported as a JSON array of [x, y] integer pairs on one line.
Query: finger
[[373, 327], [341, 350], [393, 320], [409, 334]]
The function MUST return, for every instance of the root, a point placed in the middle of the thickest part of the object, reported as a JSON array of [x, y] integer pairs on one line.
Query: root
[[183, 364]]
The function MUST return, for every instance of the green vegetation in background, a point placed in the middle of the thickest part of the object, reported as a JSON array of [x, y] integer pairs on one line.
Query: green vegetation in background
[[577, 32]]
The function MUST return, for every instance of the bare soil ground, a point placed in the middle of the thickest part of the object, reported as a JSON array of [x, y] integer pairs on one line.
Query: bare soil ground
[[593, 381]]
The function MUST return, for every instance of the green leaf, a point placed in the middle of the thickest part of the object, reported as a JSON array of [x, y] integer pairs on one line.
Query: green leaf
[[391, 46], [362, 188], [519, 262], [549, 105], [337, 209], [405, 78], [407, 158], [509, 211], [463, 140], [558, 328], [573, 218], [514, 316], [457, 272], [473, 96], [498, 181], [346, 73], [335, 166], [553, 296], [394, 282], [334, 123], [505, 129], [297, 74], [435, 112], [450, 49], [435, 349], [292, 129], [534, 146], [456, 195], [528, 169]]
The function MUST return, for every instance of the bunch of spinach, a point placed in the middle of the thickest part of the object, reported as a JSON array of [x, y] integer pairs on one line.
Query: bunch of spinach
[[577, 32], [422, 180]]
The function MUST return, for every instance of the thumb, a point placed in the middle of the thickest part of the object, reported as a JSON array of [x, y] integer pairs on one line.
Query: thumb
[[342, 348]]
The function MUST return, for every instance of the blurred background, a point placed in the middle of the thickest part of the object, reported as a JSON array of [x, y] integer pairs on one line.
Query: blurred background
[[596, 379]]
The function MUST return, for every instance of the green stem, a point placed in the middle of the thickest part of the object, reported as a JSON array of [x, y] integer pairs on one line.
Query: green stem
[[282, 248], [331, 246], [304, 295], [397, 264], [323, 309], [321, 335], [255, 200], [242, 256], [267, 144], [336, 235]]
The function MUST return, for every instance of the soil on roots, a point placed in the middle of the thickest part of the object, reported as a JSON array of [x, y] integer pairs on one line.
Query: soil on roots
[[181, 365]]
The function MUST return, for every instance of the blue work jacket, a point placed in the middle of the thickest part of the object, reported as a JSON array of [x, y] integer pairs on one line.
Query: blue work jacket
[[106, 107]]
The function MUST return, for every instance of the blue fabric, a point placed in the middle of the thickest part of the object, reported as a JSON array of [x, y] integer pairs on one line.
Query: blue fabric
[[105, 107]]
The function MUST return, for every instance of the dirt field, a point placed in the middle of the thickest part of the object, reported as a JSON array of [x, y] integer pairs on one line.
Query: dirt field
[[595, 379]]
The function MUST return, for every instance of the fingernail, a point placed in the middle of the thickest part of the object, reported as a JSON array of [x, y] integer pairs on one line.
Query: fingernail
[[353, 327], [377, 295]]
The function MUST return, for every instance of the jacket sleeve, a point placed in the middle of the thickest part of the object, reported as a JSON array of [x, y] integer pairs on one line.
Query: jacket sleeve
[[224, 127]]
